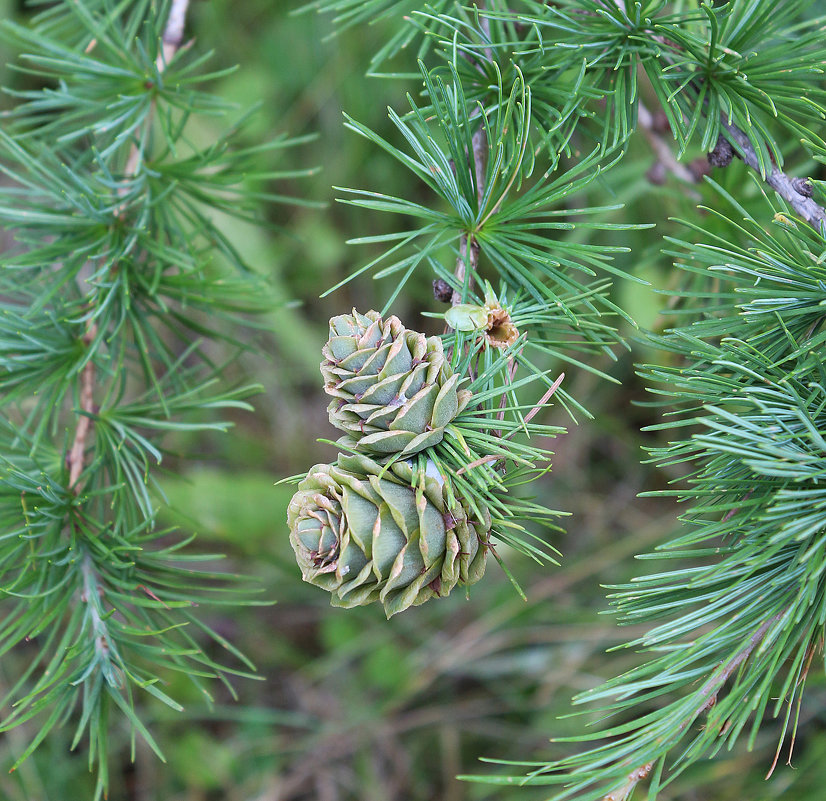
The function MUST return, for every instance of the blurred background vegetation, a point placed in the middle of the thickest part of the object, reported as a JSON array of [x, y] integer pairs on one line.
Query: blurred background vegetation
[[350, 706]]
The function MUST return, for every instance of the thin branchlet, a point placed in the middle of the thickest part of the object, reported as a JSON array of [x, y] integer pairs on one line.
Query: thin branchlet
[[77, 451], [796, 192], [468, 258], [173, 33], [632, 780], [663, 152], [706, 698], [171, 41]]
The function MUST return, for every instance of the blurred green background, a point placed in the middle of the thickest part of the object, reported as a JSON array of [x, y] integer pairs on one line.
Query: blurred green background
[[350, 706]]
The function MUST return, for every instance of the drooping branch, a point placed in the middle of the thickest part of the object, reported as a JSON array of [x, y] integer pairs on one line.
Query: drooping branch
[[707, 698], [170, 42]]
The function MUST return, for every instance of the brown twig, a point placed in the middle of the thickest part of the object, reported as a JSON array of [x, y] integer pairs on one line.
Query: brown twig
[[795, 191], [171, 41], [723, 673], [663, 152], [540, 404], [544, 399], [77, 452], [788, 188], [633, 779], [478, 463]]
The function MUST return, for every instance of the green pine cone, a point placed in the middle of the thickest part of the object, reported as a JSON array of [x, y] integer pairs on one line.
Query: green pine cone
[[393, 389], [367, 538]]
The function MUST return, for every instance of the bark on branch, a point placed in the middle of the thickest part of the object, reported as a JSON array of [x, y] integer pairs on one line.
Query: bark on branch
[[787, 188], [77, 452], [171, 40]]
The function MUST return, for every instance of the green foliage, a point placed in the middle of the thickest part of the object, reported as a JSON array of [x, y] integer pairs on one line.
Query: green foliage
[[352, 13], [734, 632], [135, 219], [477, 157], [737, 629], [704, 62], [117, 275]]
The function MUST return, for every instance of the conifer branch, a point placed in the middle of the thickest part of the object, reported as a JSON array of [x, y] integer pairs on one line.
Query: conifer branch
[[634, 778], [102, 292], [707, 698], [713, 67], [173, 33], [796, 192], [171, 40], [709, 691], [468, 258], [788, 188]]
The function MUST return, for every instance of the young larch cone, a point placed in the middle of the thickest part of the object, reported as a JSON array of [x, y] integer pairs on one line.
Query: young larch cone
[[393, 389], [366, 533]]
